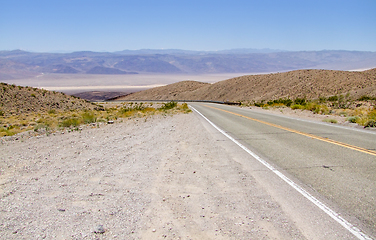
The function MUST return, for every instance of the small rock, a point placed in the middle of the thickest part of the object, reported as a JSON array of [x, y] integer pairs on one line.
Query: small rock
[[61, 209], [110, 122], [99, 229], [154, 230]]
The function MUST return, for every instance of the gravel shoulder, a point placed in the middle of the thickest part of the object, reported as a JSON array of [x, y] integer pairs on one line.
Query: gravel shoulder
[[155, 178], [164, 177]]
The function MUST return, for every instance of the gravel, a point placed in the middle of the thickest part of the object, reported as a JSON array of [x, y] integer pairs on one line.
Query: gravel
[[163, 177]]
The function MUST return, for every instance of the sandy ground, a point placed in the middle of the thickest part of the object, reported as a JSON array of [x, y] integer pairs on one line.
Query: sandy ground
[[307, 115], [163, 177]]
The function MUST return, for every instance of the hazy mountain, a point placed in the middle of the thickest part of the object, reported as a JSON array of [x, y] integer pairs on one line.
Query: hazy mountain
[[65, 69], [105, 70], [18, 64], [159, 51], [192, 52]]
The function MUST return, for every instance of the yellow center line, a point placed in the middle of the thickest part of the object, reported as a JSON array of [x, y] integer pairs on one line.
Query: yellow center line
[[364, 150]]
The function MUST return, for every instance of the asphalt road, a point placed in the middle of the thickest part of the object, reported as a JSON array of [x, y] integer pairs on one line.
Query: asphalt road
[[335, 164]]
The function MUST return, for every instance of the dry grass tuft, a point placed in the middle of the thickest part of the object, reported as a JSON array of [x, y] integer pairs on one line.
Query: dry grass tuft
[[54, 120]]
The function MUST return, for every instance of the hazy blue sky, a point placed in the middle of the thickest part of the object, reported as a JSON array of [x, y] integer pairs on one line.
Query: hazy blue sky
[[113, 25]]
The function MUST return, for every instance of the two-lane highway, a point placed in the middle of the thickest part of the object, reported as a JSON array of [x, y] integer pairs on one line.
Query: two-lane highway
[[334, 163]]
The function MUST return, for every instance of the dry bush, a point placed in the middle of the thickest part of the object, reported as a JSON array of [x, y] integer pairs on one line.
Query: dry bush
[[53, 120]]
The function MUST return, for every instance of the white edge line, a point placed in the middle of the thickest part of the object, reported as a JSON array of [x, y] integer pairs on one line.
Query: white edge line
[[351, 228]]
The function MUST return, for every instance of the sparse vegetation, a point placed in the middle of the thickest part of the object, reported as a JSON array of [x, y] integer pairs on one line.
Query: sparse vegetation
[[353, 119], [53, 119], [329, 120], [45, 112], [168, 105], [361, 111]]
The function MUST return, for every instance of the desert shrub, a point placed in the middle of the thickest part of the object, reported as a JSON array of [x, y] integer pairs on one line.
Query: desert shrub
[[353, 119], [279, 102], [310, 106], [370, 123], [330, 120], [300, 101], [278, 105], [6, 132], [372, 114], [123, 112], [314, 107], [362, 121], [297, 106], [320, 109], [132, 107], [148, 110], [184, 106], [287, 102], [71, 121], [46, 122], [333, 98], [88, 117], [51, 111], [9, 130], [322, 99], [2, 113], [169, 105], [259, 104]]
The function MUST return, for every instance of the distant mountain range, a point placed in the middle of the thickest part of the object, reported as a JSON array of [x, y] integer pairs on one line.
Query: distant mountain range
[[21, 64]]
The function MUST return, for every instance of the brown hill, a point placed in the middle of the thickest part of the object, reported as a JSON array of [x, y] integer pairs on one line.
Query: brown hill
[[16, 99], [175, 91], [310, 84]]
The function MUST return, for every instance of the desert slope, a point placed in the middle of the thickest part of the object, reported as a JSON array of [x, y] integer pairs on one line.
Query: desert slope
[[300, 83], [180, 90], [16, 100]]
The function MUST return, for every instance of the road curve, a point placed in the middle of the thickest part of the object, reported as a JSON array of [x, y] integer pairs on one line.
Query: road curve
[[336, 165]]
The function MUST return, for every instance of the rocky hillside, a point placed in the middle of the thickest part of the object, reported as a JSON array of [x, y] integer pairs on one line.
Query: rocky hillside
[[175, 91], [16, 99], [301, 83]]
